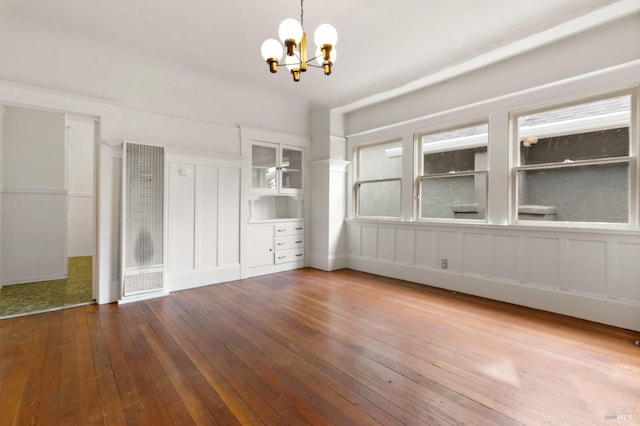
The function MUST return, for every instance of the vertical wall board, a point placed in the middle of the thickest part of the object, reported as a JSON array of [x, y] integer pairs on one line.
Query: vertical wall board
[[448, 249], [181, 214], [387, 244], [542, 264], [229, 216], [505, 257], [405, 246], [369, 241], [354, 235], [425, 243], [587, 266], [628, 268], [206, 217], [475, 256]]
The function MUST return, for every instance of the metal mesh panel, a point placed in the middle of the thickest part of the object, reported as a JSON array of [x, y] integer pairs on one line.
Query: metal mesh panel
[[145, 200], [142, 282], [144, 210]]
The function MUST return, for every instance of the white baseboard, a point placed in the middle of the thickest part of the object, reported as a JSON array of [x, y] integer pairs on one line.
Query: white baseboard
[[330, 263], [272, 269], [606, 311], [33, 279], [142, 296], [192, 279], [109, 295]]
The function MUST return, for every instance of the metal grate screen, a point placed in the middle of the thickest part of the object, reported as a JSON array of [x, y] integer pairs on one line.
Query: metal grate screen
[[144, 220]]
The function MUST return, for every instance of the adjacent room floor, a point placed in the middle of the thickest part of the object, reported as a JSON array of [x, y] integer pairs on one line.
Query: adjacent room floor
[[76, 289]]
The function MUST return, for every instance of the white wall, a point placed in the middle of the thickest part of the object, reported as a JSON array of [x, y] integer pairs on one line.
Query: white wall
[[137, 98], [34, 156], [81, 183], [203, 242], [587, 51], [179, 132], [44, 54], [34, 196], [199, 140], [2, 111], [203, 216], [587, 273], [328, 172]]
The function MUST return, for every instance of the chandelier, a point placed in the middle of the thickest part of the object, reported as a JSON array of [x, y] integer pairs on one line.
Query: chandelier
[[294, 38]]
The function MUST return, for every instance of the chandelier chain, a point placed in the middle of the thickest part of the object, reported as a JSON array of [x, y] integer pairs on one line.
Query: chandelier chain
[[302, 13]]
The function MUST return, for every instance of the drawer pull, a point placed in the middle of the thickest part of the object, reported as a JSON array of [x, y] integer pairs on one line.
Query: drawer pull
[[281, 244], [299, 229], [298, 242], [282, 257], [298, 255], [280, 230]]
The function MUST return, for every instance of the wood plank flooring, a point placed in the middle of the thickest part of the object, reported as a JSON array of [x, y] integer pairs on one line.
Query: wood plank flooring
[[312, 347]]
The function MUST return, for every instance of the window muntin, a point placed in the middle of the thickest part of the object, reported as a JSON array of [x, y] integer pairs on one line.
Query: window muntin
[[575, 163], [453, 183], [378, 186]]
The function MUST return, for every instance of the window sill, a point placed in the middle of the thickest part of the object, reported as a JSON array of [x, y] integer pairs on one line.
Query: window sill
[[541, 226]]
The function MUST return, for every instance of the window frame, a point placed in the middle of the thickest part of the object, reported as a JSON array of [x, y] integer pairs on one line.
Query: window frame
[[631, 160], [357, 183], [421, 176]]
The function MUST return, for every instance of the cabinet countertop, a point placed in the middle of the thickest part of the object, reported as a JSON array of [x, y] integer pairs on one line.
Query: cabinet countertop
[[279, 220]]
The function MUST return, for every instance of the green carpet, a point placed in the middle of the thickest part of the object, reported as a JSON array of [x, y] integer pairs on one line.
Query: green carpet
[[76, 289]]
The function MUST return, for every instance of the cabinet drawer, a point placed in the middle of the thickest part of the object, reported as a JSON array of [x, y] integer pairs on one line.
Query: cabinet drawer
[[284, 243], [289, 255], [289, 228]]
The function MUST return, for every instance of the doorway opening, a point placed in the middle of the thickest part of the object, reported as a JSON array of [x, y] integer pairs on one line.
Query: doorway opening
[[47, 210]]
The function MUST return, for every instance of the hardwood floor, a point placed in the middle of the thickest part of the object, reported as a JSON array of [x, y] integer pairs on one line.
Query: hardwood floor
[[312, 347]]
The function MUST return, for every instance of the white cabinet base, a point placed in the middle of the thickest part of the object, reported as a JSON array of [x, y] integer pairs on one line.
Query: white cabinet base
[[275, 247], [272, 269]]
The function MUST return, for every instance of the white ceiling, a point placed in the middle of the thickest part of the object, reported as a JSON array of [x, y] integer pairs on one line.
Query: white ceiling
[[382, 44]]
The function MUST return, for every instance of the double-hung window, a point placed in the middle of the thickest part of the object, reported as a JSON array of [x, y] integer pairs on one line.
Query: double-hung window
[[453, 179], [379, 180], [574, 163]]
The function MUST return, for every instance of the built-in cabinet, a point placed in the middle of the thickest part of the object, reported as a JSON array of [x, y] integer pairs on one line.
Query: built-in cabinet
[[275, 192], [276, 243]]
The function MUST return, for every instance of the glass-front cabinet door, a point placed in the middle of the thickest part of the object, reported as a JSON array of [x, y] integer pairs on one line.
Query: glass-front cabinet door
[[291, 169], [276, 169], [264, 168]]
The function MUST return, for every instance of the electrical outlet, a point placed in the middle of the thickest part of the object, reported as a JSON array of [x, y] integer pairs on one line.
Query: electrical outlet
[[444, 263]]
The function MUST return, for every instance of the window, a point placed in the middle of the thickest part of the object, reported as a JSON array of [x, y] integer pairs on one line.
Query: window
[[378, 185], [574, 163], [453, 180]]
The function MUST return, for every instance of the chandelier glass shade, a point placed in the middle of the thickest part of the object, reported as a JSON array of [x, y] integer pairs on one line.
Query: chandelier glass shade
[[293, 44]]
